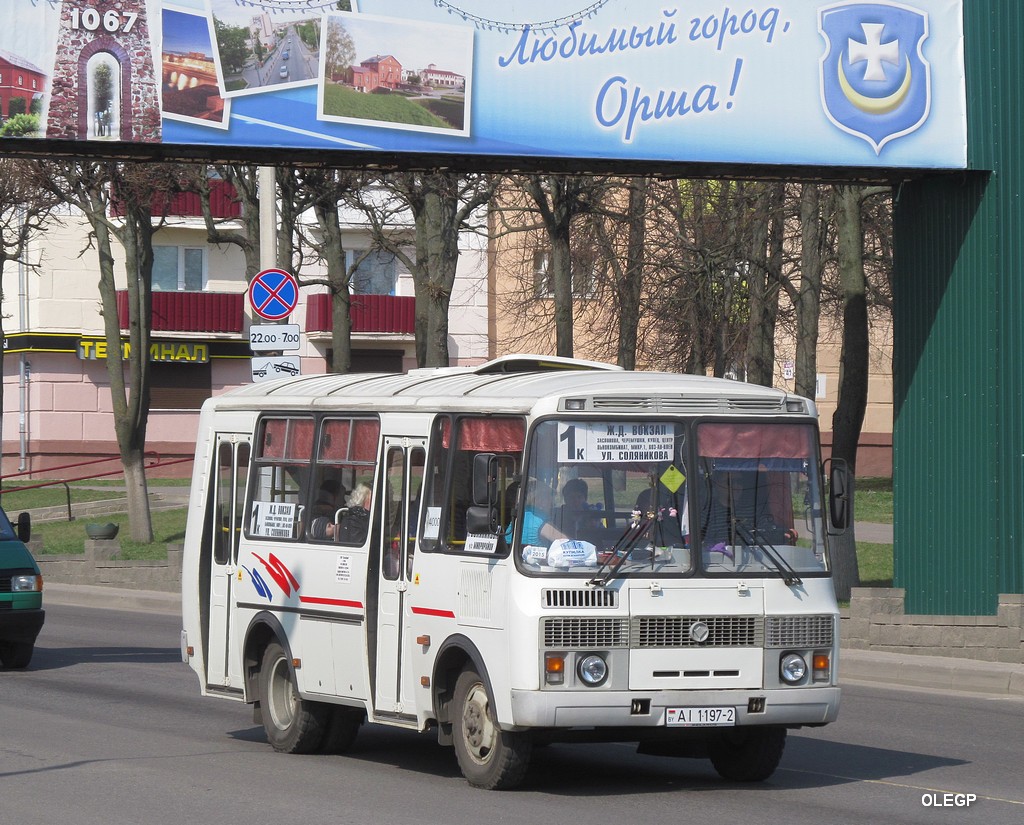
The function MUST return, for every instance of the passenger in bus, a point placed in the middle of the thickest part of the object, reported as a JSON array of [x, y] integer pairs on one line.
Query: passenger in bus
[[536, 526], [329, 498], [738, 511], [576, 516], [355, 521]]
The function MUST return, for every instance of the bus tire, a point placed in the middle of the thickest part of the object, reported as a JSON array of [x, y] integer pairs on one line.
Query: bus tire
[[16, 654], [489, 757], [342, 727], [747, 754], [293, 724]]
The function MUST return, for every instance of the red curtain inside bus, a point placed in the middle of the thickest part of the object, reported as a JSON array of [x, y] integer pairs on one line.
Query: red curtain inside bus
[[752, 440]]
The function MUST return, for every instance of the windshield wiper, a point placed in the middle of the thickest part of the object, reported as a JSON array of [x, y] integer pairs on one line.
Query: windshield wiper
[[782, 567], [625, 545]]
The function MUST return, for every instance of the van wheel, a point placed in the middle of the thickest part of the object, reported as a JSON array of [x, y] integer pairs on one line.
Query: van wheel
[[489, 757], [747, 754], [293, 725], [16, 654]]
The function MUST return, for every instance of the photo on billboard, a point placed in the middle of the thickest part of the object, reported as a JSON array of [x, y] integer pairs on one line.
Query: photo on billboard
[[267, 46], [192, 78], [390, 72]]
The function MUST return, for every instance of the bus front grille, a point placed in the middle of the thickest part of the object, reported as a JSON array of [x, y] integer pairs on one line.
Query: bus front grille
[[697, 631], [577, 597], [585, 633], [799, 631]]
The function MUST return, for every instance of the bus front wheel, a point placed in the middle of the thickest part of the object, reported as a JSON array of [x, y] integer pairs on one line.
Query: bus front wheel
[[293, 725], [489, 757], [747, 754]]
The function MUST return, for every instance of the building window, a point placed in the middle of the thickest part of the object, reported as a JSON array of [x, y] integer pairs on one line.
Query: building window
[[21, 80], [179, 268], [376, 274], [542, 286], [583, 276], [176, 386]]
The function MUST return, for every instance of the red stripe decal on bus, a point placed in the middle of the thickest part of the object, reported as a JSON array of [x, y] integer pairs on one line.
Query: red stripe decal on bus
[[430, 611], [334, 602]]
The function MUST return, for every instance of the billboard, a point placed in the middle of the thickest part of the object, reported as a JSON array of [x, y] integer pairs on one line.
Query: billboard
[[857, 84]]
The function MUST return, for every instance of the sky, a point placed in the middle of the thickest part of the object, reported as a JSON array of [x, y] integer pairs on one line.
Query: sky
[[414, 44], [186, 33]]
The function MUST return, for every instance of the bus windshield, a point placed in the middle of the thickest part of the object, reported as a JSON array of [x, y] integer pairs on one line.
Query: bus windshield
[[610, 498]]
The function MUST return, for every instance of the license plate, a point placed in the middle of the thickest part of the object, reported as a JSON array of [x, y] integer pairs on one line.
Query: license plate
[[700, 717]]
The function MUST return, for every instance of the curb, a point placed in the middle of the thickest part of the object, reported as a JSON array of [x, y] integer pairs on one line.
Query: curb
[[112, 598], [943, 673]]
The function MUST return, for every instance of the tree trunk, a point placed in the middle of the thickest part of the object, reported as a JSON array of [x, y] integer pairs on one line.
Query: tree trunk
[[127, 406], [332, 251], [808, 303], [853, 368], [764, 278], [437, 246], [631, 283]]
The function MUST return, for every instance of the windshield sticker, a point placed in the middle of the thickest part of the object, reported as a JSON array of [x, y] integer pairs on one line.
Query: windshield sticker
[[596, 443], [273, 519], [479, 543], [672, 478], [432, 523]]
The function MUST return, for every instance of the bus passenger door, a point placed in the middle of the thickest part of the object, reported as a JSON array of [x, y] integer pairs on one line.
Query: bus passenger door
[[221, 536], [403, 479]]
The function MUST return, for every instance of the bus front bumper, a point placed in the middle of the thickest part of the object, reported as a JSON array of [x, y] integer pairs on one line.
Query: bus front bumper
[[638, 709]]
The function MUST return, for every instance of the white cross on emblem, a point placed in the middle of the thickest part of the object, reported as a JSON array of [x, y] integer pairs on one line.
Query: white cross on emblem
[[874, 51]]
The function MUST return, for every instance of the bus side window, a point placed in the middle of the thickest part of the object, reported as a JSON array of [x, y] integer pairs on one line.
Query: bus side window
[[281, 471]]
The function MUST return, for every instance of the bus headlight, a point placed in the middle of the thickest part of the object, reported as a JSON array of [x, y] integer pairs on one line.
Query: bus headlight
[[592, 670], [792, 668]]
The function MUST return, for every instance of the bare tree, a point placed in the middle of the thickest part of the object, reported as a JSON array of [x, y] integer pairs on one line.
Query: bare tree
[[326, 192], [442, 205], [126, 203], [244, 180]]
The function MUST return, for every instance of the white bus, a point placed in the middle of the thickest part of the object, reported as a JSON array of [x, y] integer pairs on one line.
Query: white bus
[[530, 551]]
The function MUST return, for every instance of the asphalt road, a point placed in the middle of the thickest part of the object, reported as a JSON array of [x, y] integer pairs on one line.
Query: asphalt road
[[107, 727]]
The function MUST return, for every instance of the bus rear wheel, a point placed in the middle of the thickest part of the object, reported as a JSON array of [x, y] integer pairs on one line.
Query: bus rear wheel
[[488, 756], [747, 754], [293, 725]]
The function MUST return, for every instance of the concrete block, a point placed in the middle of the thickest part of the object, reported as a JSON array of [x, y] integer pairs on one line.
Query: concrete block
[[855, 629], [953, 637]]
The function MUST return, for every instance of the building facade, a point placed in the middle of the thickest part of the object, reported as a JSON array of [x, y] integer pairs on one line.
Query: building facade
[[19, 80], [57, 403]]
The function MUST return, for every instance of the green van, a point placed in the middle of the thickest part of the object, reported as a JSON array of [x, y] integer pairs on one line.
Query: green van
[[21, 594]]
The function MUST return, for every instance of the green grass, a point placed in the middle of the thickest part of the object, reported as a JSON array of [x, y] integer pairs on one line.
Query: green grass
[[340, 101], [60, 537], [873, 500], [56, 496], [874, 562]]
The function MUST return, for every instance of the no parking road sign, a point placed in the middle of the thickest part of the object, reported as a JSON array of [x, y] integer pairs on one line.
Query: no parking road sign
[[273, 294]]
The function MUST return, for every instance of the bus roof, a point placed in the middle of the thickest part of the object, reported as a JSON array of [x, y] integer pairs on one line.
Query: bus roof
[[513, 385]]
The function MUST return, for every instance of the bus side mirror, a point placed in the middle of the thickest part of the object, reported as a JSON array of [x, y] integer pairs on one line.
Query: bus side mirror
[[24, 527], [839, 493], [485, 479]]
